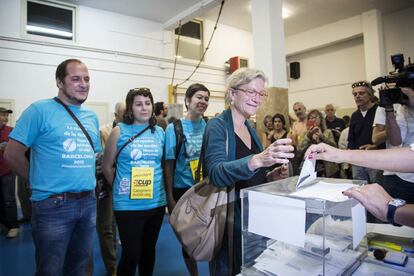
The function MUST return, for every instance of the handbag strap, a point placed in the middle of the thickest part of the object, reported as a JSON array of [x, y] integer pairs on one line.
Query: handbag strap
[[129, 141], [198, 171], [76, 120]]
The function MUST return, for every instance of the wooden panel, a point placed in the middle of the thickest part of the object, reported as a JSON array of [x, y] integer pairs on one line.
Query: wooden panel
[[276, 102]]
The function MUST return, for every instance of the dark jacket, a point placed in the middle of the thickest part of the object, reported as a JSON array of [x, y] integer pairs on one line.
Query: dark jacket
[[221, 169], [360, 128]]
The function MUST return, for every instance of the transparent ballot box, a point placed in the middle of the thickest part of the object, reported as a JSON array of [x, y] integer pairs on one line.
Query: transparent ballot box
[[312, 230]]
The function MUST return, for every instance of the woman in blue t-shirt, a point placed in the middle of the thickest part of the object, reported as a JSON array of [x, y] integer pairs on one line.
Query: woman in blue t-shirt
[[181, 161], [138, 185]]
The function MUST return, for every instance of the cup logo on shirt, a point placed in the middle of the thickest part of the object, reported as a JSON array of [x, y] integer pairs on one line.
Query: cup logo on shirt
[[69, 145], [136, 154]]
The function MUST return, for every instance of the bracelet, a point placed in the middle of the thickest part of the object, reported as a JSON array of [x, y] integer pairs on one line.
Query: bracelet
[[389, 109]]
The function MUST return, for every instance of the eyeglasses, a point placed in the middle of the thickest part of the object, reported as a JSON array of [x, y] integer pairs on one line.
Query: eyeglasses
[[314, 117], [252, 93], [360, 83]]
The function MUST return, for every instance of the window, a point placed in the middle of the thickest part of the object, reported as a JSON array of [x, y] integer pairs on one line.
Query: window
[[191, 40], [50, 19]]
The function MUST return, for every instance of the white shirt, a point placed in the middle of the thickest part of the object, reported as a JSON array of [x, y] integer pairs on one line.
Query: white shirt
[[380, 117], [343, 139], [405, 120]]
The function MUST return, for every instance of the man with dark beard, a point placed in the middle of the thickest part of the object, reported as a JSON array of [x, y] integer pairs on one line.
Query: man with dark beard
[[62, 172]]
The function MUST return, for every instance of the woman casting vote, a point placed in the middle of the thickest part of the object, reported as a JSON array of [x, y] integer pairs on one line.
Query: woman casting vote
[[135, 147], [243, 162], [182, 157]]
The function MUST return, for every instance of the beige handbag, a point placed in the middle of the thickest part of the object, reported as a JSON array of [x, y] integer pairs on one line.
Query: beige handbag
[[199, 219]]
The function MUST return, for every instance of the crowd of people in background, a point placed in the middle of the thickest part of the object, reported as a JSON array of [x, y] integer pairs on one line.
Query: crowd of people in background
[[370, 127], [309, 128], [148, 164]]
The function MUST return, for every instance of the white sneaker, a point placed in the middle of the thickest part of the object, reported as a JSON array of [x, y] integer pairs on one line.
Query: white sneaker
[[14, 232]]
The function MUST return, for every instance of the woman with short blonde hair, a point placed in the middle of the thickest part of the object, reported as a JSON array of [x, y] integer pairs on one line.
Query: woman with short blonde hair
[[234, 157]]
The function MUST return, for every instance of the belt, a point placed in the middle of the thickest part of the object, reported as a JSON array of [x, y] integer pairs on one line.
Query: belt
[[69, 195]]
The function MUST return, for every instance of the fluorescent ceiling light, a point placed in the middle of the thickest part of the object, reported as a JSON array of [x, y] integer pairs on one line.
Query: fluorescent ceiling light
[[285, 13], [49, 31]]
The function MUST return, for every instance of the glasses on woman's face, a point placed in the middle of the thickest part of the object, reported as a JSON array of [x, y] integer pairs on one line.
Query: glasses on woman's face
[[252, 93]]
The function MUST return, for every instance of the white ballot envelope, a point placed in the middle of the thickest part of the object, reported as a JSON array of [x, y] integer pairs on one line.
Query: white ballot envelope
[[307, 174]]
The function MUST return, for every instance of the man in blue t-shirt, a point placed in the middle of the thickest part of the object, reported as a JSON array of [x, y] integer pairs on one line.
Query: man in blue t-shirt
[[61, 172]]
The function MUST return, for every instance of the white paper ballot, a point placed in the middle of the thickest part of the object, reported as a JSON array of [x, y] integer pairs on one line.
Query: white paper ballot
[[359, 227], [307, 174], [327, 191], [277, 217]]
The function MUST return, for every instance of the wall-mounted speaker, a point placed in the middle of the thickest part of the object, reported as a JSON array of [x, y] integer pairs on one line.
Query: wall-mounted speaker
[[294, 70], [237, 62]]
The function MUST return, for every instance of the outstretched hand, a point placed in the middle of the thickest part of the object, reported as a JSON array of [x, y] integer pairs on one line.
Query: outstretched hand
[[325, 152], [278, 152], [373, 197]]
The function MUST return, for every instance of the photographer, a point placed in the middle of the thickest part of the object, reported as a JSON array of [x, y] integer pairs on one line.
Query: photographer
[[400, 133], [372, 196]]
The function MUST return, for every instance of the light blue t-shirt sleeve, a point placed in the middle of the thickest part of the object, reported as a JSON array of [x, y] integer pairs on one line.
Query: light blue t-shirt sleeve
[[28, 126], [170, 142]]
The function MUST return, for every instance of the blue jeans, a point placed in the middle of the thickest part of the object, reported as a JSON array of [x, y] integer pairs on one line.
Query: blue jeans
[[363, 173], [63, 234]]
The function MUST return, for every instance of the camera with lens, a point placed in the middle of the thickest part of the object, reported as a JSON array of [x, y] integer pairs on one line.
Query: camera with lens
[[402, 76]]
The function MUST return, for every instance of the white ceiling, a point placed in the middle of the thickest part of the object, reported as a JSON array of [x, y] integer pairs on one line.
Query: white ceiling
[[155, 10], [305, 14]]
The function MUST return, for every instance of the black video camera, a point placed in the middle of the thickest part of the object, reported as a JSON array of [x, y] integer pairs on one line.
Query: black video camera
[[403, 76]]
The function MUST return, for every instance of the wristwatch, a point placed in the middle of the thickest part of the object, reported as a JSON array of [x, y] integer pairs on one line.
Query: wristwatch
[[393, 204]]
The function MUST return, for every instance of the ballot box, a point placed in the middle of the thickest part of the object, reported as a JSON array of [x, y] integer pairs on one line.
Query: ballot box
[[311, 230]]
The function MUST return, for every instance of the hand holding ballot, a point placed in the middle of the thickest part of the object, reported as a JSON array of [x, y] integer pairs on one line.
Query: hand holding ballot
[[372, 196], [395, 159], [278, 152], [325, 152]]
